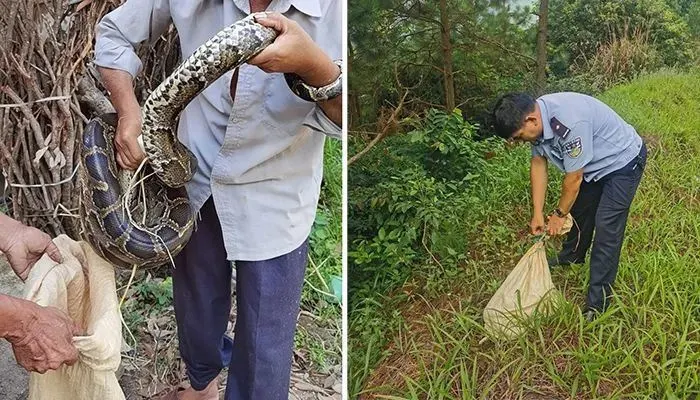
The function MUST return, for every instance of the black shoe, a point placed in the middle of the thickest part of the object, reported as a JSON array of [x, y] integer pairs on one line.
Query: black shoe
[[556, 262], [553, 262]]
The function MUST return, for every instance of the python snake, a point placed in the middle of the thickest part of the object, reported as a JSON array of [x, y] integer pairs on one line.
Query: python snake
[[158, 220]]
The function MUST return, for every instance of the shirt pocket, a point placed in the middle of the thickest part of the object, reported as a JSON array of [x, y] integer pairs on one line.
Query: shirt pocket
[[284, 110], [265, 134]]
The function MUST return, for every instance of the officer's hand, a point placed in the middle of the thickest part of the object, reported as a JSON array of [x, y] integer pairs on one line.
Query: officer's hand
[[24, 246], [43, 339], [554, 225], [129, 153], [537, 224], [293, 51]]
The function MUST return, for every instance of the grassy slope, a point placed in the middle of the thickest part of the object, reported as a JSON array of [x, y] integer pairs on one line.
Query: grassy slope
[[646, 346]]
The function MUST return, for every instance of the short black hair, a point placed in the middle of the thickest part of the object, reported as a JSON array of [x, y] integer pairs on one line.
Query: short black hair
[[510, 111]]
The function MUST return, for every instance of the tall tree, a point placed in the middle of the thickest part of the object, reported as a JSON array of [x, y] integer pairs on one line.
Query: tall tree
[[353, 97], [447, 68], [450, 53], [541, 75]]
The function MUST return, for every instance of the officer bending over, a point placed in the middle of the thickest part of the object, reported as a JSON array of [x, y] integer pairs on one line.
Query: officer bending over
[[603, 159]]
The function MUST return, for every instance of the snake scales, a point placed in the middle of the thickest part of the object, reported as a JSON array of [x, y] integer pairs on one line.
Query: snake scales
[[158, 220]]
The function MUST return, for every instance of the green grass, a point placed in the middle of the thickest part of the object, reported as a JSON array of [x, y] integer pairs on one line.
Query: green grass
[[149, 298], [429, 341], [325, 262]]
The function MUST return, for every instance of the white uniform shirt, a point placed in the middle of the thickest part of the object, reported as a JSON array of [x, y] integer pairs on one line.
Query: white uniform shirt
[[582, 132]]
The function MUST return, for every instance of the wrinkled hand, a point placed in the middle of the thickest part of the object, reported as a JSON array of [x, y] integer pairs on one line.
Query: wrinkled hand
[[554, 225], [293, 51], [537, 224], [44, 340], [25, 245], [129, 153]]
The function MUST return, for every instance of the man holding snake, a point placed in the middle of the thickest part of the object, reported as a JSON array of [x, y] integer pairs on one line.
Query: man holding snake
[[259, 149]]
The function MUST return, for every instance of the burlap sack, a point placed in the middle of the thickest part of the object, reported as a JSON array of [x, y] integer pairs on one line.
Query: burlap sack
[[84, 287], [527, 289]]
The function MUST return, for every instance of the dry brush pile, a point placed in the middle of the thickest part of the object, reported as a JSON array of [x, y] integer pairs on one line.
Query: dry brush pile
[[49, 89]]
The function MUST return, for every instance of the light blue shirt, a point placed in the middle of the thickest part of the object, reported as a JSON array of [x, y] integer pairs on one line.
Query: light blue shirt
[[582, 132], [260, 156]]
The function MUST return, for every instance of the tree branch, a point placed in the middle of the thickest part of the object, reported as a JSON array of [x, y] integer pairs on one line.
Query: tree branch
[[499, 45], [381, 134], [392, 118], [89, 94]]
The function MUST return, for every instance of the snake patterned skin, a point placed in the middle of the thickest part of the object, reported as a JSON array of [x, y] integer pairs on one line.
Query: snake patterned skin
[[161, 219]]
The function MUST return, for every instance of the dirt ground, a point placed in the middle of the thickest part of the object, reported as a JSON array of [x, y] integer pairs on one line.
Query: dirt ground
[[13, 385], [154, 365]]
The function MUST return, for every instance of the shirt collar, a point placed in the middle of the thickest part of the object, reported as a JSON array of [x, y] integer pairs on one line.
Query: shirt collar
[[547, 133], [311, 8]]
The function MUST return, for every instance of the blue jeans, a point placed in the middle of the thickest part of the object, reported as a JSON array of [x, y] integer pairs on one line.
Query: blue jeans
[[604, 206], [259, 357]]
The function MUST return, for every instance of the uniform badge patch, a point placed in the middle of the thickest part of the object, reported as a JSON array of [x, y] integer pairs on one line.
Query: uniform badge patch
[[573, 148], [558, 128]]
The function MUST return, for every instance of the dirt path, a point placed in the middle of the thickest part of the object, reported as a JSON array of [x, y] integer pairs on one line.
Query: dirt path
[[155, 366]]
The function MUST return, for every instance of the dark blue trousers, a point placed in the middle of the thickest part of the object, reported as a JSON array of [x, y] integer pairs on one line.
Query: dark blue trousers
[[602, 206], [268, 293]]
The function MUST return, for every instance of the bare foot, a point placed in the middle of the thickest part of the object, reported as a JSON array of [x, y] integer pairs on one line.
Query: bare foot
[[211, 392]]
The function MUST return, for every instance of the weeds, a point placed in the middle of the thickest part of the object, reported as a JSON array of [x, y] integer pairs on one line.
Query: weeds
[[625, 56], [429, 340], [320, 297]]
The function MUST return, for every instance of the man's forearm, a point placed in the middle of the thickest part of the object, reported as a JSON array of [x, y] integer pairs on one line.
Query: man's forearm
[[10, 316], [121, 91], [569, 190], [538, 180]]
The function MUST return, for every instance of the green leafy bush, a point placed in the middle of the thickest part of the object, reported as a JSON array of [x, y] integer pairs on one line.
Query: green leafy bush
[[402, 190]]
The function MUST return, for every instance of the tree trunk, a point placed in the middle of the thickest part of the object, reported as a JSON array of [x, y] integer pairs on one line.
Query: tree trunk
[[541, 76], [353, 98], [448, 72]]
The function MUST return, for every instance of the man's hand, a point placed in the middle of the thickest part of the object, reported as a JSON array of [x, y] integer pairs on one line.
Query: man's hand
[[293, 51], [129, 153], [537, 224], [42, 337], [24, 246], [554, 225], [121, 94]]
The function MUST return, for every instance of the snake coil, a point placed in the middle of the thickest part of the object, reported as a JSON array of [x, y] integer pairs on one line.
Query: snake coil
[[149, 229]]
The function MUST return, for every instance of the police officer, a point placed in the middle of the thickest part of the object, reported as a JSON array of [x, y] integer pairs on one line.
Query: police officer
[[603, 159]]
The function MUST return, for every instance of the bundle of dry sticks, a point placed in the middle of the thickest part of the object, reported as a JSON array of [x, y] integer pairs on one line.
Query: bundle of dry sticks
[[48, 91]]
